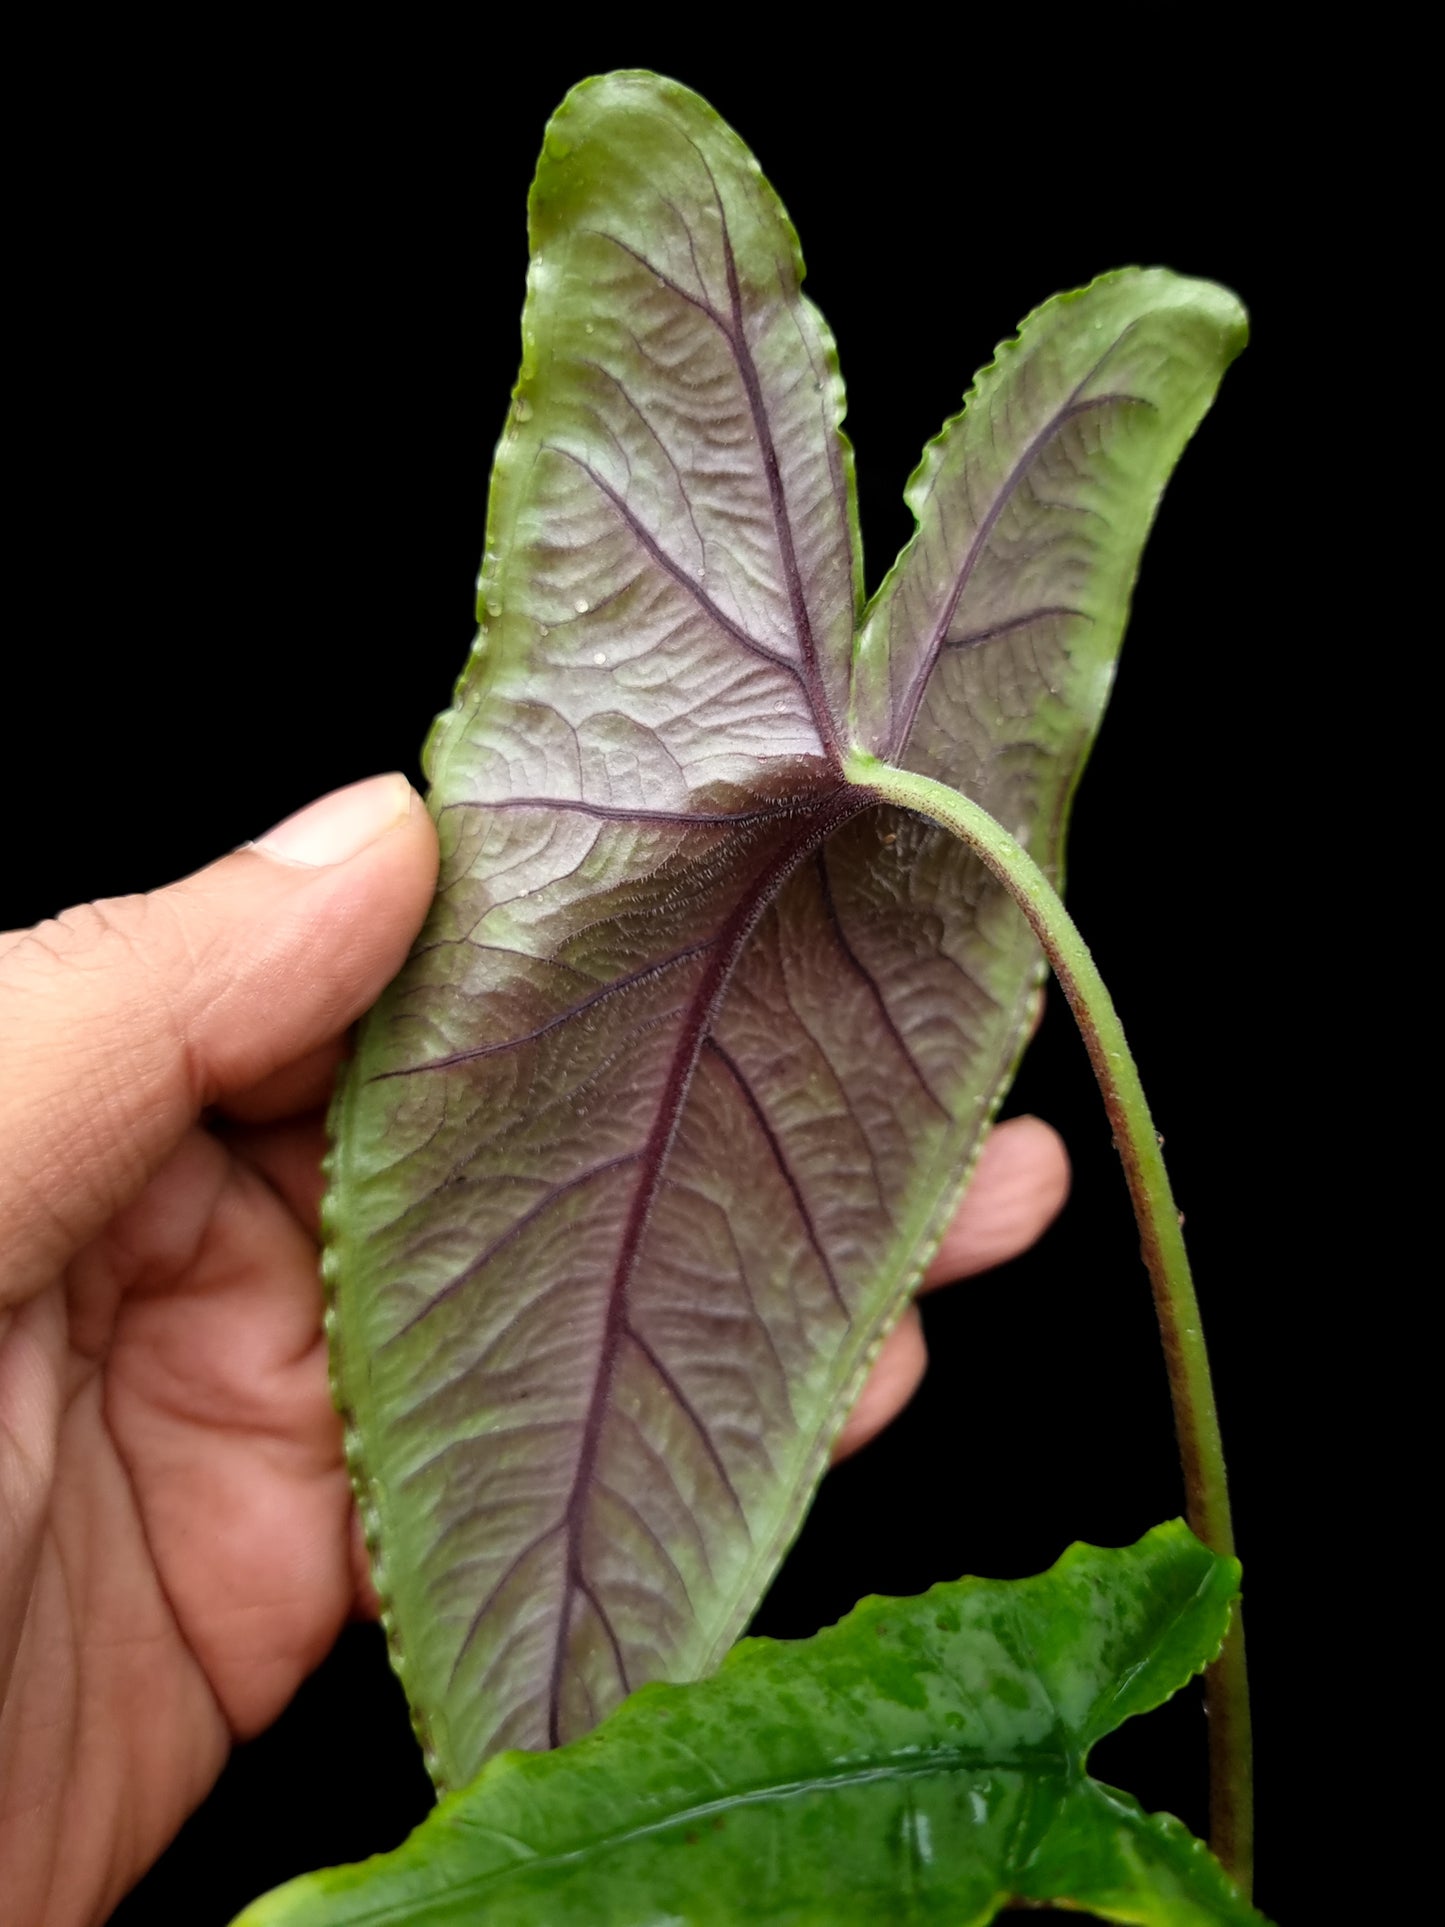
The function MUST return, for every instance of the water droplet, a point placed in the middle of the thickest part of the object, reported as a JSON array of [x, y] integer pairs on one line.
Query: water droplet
[[589, 327], [582, 605], [600, 660], [494, 608]]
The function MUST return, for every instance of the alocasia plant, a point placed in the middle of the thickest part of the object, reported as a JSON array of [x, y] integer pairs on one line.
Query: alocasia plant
[[642, 1155]]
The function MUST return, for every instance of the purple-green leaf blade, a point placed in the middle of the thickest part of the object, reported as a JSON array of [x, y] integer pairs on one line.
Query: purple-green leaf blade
[[591, 1375], [641, 1155]]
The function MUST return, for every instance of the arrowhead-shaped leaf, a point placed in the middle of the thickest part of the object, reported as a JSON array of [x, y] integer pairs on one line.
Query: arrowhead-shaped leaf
[[642, 1154], [922, 1760]]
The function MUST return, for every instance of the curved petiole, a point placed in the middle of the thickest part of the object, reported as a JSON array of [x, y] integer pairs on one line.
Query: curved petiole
[[1191, 1388]]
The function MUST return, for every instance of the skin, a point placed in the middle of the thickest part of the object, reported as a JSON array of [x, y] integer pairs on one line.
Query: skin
[[178, 1547]]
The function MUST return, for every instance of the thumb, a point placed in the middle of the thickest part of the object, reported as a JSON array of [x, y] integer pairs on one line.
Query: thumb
[[122, 1020]]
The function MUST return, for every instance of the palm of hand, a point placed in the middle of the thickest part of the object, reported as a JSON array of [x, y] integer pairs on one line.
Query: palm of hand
[[197, 1558]]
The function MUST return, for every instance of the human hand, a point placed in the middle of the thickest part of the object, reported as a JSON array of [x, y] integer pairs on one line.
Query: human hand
[[177, 1541], [176, 1548]]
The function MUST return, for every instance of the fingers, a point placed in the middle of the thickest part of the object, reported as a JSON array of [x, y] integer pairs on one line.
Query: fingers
[[288, 1156], [302, 1085], [1018, 1189], [121, 1020], [216, 1401], [896, 1375]]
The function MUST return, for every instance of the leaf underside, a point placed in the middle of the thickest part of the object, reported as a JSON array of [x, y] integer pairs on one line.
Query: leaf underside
[[640, 1157], [921, 1761]]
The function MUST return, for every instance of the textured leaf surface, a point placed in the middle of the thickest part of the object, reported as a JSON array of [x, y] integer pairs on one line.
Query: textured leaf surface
[[642, 1154], [1000, 624], [921, 1761]]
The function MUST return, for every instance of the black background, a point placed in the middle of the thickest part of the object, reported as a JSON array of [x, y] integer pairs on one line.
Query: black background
[[272, 325]]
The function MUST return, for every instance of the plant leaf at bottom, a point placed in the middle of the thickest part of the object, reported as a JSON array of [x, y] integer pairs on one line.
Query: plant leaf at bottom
[[923, 1760]]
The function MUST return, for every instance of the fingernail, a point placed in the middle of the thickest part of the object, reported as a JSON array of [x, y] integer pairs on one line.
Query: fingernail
[[336, 827]]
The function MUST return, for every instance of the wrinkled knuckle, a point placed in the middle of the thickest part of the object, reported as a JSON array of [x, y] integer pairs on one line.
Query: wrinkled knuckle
[[89, 937], [146, 936]]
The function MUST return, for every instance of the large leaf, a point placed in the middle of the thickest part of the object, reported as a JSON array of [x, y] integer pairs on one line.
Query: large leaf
[[644, 1151], [922, 1760]]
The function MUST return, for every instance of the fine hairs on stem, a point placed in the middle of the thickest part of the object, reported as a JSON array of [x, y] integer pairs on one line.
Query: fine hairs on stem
[[1191, 1388]]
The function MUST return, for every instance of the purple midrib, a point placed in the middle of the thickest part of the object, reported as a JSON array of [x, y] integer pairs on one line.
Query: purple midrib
[[778, 502], [815, 823], [820, 823]]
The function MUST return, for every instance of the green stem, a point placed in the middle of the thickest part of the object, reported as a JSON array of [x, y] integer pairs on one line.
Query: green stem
[[1196, 1419]]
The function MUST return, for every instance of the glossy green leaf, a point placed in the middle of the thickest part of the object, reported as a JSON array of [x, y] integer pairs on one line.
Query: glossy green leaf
[[921, 1761], [644, 1151]]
